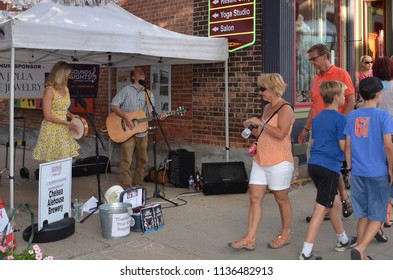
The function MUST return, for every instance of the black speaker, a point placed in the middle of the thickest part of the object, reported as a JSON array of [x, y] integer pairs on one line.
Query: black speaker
[[224, 178], [182, 165]]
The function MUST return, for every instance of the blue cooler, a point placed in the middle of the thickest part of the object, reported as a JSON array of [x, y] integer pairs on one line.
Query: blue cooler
[[136, 196]]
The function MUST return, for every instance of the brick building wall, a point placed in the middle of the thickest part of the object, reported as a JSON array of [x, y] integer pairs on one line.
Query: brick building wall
[[208, 100], [200, 87]]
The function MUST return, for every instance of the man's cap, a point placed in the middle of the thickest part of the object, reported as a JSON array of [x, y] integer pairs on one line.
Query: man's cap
[[370, 85]]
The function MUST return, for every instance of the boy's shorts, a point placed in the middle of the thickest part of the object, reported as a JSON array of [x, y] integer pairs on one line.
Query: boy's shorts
[[326, 182], [370, 197]]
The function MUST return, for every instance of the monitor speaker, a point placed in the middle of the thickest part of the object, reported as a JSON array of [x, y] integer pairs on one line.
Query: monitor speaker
[[224, 178]]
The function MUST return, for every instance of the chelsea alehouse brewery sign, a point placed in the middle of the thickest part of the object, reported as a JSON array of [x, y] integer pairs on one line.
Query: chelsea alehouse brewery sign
[[233, 19]]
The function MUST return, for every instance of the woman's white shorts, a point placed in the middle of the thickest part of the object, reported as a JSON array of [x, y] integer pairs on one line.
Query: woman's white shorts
[[278, 177]]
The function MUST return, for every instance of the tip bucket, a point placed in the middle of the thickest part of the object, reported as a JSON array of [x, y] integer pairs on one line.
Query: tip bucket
[[115, 219]]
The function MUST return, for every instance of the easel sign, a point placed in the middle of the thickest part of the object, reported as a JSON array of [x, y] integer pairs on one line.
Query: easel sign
[[54, 196]]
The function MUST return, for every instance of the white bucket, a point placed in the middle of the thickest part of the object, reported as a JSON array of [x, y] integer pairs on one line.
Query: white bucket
[[112, 195], [115, 219]]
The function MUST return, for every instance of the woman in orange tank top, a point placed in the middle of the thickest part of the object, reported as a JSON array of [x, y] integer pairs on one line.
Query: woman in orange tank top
[[273, 162]]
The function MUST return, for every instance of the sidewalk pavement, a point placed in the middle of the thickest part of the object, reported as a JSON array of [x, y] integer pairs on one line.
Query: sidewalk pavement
[[199, 228]]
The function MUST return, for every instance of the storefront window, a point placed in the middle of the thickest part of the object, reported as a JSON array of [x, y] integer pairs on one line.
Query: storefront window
[[317, 22]]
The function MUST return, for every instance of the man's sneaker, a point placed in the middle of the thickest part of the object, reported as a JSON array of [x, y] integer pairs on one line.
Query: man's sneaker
[[347, 208], [326, 218], [352, 242], [312, 257]]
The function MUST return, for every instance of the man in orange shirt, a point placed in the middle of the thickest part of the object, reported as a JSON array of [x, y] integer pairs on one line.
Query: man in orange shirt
[[319, 57]]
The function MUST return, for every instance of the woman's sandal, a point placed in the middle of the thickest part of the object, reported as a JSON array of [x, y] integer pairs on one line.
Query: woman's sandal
[[243, 243], [380, 236], [279, 242]]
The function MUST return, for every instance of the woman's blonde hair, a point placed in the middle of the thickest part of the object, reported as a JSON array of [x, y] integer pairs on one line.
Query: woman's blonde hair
[[364, 57], [273, 82], [56, 76]]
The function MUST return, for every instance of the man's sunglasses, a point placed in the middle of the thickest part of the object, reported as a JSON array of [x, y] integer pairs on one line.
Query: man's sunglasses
[[315, 57]]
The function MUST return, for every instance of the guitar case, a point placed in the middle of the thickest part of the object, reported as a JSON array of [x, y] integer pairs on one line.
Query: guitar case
[[87, 166]]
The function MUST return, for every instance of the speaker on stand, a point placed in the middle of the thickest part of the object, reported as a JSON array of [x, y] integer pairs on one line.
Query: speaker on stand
[[224, 178]]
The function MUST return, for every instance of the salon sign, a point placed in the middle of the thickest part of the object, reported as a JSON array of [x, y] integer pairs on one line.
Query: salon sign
[[233, 19]]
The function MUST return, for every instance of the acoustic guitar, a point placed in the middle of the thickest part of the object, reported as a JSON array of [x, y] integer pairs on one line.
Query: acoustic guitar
[[118, 130]]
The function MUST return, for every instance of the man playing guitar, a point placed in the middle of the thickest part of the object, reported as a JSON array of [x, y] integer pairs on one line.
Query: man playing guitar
[[133, 97]]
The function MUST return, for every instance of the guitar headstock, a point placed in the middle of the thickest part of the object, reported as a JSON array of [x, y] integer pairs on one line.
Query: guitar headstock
[[181, 111]]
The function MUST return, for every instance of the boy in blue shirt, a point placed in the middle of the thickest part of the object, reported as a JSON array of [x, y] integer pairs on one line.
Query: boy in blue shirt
[[369, 155], [324, 165]]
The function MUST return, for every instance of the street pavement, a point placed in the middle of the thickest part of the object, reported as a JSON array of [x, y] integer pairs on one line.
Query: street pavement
[[200, 227]]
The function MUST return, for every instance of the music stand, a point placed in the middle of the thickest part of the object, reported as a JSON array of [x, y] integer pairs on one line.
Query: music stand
[[156, 120], [80, 101]]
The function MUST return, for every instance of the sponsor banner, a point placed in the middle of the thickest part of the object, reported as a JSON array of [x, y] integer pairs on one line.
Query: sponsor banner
[[30, 81], [37, 104]]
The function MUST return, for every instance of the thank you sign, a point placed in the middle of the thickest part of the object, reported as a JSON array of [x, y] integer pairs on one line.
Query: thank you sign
[[233, 19], [54, 195]]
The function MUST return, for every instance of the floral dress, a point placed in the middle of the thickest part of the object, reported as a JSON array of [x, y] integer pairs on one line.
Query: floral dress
[[55, 140]]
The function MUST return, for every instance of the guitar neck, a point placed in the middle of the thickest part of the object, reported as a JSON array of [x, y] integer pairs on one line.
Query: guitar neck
[[150, 118]]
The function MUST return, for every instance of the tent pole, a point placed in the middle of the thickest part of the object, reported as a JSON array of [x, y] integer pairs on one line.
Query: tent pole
[[226, 112], [11, 143], [109, 101]]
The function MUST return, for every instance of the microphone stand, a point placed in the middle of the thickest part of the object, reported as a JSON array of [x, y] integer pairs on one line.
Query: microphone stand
[[80, 101], [156, 120]]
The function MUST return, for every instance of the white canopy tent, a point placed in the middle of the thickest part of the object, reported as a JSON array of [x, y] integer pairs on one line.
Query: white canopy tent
[[105, 35]]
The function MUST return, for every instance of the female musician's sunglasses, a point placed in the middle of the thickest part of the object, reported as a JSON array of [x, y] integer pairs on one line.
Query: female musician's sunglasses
[[368, 62], [262, 89]]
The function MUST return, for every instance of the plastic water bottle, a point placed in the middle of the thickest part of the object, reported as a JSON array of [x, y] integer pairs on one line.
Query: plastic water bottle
[[77, 210], [191, 183], [247, 131]]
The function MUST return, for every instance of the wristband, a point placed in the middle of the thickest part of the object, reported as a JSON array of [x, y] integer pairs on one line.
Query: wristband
[[263, 125], [306, 128]]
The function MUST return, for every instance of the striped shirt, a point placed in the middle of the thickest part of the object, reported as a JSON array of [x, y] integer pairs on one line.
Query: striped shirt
[[129, 99]]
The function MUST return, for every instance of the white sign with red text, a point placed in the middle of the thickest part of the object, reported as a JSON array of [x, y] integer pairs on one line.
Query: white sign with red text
[[10, 238]]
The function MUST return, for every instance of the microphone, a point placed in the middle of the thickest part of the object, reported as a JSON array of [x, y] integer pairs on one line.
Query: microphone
[[142, 83], [72, 83], [78, 100]]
